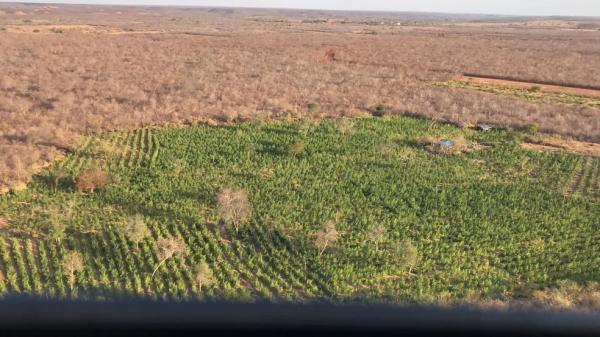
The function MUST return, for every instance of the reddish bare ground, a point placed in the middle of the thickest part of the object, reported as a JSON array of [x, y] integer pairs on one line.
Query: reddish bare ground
[[559, 89]]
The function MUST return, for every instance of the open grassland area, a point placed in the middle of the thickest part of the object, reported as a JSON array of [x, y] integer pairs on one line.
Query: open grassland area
[[292, 211], [533, 93], [70, 70]]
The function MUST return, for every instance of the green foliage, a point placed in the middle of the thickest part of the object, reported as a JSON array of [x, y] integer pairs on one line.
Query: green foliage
[[493, 220], [531, 129], [406, 255], [135, 229], [307, 127], [345, 126]]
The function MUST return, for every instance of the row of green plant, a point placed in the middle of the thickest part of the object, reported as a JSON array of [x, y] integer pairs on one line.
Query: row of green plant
[[342, 210]]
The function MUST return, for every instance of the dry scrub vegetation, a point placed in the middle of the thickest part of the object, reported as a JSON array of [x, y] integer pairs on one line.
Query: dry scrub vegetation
[[215, 66]]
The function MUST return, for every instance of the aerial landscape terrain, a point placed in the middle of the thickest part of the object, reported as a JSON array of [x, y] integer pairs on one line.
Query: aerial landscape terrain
[[295, 156]]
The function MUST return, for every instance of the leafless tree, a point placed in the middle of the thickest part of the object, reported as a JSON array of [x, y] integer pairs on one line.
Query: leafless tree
[[204, 275], [57, 177], [168, 247], [233, 207], [91, 180], [327, 235], [71, 263], [376, 234], [135, 229]]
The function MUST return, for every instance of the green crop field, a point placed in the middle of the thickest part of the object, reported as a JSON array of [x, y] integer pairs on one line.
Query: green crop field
[[491, 222], [527, 94]]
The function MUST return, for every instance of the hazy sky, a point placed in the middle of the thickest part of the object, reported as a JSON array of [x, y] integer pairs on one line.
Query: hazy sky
[[518, 7]]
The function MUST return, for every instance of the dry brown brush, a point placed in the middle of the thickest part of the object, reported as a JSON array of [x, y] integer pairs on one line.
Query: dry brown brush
[[56, 86]]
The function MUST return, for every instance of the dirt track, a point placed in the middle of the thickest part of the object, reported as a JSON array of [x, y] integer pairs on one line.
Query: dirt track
[[528, 85]]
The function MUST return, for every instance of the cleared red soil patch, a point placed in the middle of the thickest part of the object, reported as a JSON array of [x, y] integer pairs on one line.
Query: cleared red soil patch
[[559, 89]]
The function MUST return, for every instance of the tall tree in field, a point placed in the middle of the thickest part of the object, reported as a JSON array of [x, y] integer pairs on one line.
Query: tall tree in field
[[204, 275], [56, 226], [71, 263], [135, 229], [92, 180], [167, 248], [406, 255], [233, 207], [376, 235]]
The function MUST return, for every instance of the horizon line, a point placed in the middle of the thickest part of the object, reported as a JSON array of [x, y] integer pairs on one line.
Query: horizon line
[[306, 9]]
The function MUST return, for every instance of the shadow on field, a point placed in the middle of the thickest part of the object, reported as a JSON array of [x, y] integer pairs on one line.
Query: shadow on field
[[271, 148], [280, 131], [55, 182], [202, 194]]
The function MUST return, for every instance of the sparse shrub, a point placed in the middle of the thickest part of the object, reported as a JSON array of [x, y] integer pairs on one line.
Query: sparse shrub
[[313, 107], [204, 275], [57, 30], [379, 111], [513, 137], [135, 229], [71, 263], [168, 247], [297, 148], [91, 180], [535, 88], [105, 149], [569, 295], [327, 235], [330, 55], [36, 30], [531, 129], [345, 126], [233, 207], [306, 127], [376, 235], [406, 255]]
